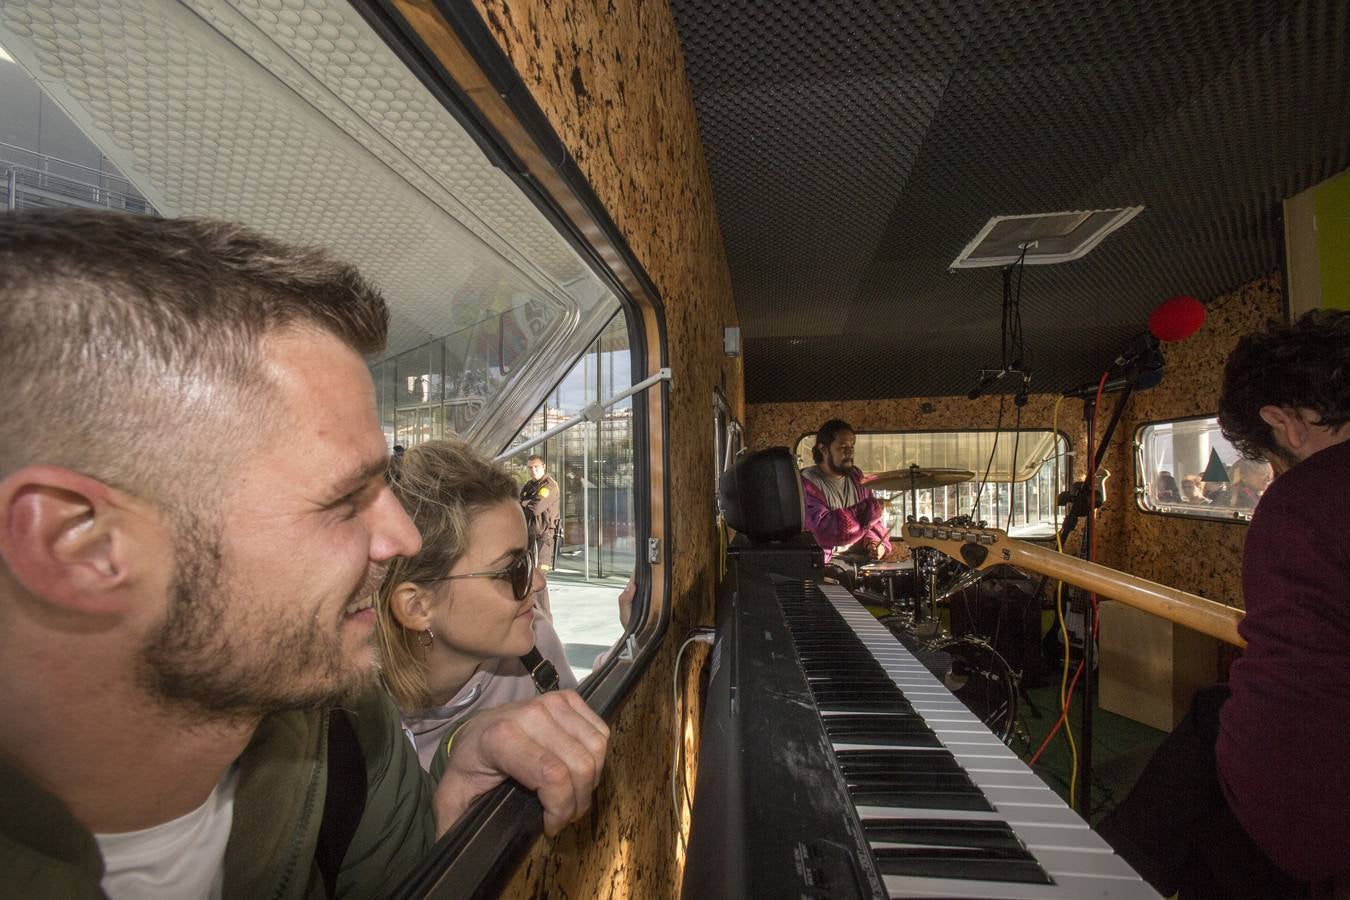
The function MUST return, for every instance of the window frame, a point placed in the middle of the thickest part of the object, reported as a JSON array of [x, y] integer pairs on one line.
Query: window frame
[[1068, 455], [473, 78], [1139, 488]]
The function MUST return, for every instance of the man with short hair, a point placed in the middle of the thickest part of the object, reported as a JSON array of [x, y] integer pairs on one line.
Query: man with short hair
[[191, 706], [540, 499], [844, 517], [1247, 797]]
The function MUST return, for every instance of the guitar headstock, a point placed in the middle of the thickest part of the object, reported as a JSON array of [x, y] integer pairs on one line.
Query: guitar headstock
[[978, 548]]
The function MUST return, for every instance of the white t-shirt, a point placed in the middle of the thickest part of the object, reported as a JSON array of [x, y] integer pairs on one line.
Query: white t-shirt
[[183, 859], [840, 491]]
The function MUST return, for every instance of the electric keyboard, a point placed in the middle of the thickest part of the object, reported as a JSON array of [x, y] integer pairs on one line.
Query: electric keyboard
[[834, 764]]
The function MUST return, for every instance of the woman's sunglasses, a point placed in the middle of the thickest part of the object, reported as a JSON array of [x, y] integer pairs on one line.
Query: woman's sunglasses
[[520, 573]]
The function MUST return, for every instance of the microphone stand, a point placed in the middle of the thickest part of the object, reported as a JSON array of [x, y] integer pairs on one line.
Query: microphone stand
[[1081, 504]]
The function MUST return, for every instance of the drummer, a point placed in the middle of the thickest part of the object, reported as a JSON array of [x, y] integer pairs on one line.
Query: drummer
[[842, 514]]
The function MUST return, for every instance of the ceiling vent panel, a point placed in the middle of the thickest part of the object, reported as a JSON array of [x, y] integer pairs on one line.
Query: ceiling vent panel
[[1044, 238]]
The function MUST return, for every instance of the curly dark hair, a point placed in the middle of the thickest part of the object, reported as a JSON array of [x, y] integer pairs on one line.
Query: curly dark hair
[[1302, 366], [825, 437]]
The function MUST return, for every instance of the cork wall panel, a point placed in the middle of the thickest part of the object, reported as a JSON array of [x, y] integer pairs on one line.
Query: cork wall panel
[[1149, 545], [783, 424], [610, 78]]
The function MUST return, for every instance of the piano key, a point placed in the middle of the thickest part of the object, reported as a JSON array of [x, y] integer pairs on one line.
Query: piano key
[[973, 863], [936, 863], [1077, 887]]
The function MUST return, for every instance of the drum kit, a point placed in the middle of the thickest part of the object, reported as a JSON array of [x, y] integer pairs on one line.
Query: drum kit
[[909, 589]]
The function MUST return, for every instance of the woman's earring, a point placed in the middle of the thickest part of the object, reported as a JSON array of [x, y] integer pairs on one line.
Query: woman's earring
[[426, 638]]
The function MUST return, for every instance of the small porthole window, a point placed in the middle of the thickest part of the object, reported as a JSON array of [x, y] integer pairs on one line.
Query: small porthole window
[[1185, 467]]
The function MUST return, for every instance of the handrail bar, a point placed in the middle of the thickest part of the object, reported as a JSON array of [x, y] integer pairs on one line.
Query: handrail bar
[[56, 159]]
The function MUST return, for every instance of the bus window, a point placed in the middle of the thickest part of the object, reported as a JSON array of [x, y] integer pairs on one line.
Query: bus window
[[498, 318], [594, 551], [1185, 467], [1022, 474]]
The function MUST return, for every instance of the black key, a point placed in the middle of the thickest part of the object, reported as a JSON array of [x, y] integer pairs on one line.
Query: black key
[[862, 761], [943, 833], [954, 862], [919, 799], [892, 730], [944, 787]]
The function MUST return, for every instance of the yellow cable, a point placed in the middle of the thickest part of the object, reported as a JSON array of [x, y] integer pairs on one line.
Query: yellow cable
[[1064, 636]]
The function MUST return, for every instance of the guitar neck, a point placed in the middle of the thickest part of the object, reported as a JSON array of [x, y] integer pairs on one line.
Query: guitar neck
[[1217, 620]]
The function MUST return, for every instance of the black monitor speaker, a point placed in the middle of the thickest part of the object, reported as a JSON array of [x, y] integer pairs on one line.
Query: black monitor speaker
[[761, 495]]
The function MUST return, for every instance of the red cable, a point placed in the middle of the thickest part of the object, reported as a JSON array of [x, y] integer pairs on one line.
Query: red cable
[[1092, 555], [1063, 713]]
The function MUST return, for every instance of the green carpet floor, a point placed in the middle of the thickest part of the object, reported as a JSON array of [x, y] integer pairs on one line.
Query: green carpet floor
[[1120, 748]]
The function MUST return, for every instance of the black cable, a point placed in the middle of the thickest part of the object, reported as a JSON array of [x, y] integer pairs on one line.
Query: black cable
[[1003, 318], [1017, 314], [975, 507], [1012, 471], [1010, 339], [1010, 343]]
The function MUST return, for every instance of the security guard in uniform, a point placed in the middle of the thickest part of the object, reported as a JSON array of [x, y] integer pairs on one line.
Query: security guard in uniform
[[540, 498]]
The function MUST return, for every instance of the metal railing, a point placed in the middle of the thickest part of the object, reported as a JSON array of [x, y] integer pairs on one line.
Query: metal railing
[[34, 180]]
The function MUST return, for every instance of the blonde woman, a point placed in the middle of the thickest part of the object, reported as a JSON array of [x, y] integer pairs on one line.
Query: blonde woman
[[455, 618]]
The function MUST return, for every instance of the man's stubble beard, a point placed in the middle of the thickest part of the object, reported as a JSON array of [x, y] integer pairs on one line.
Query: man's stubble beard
[[201, 658]]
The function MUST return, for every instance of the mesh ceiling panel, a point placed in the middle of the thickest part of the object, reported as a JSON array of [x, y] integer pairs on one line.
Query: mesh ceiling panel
[[856, 147]]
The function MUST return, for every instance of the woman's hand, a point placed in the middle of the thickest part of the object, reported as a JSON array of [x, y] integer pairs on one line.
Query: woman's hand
[[553, 744]]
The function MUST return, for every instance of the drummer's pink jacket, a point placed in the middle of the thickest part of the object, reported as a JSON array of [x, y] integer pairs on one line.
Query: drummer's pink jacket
[[848, 525]]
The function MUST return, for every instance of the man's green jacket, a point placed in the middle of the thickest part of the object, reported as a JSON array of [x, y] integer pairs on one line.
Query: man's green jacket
[[278, 807]]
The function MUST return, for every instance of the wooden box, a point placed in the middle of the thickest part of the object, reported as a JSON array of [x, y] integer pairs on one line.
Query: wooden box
[[1149, 668]]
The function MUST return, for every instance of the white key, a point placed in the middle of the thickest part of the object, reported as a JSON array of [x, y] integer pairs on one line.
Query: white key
[[1080, 863]]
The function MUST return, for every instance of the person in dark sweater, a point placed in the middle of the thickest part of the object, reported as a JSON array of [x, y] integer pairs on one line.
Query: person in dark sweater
[[1248, 796]]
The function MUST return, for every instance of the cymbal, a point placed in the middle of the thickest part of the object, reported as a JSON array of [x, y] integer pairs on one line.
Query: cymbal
[[914, 478]]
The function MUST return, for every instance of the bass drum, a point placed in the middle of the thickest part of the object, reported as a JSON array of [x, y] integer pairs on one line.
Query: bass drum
[[982, 680]]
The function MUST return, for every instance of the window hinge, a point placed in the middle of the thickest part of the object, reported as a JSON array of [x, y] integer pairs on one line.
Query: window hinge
[[654, 550]]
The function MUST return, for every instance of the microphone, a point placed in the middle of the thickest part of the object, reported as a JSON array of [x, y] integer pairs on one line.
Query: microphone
[[990, 377], [1142, 346], [1142, 381], [1176, 319], [986, 381], [1140, 364]]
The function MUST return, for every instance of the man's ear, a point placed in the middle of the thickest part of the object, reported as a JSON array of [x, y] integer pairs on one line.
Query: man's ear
[[1287, 426], [411, 606], [67, 538]]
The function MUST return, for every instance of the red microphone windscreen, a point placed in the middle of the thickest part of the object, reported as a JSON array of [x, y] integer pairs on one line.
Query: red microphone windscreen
[[1176, 319]]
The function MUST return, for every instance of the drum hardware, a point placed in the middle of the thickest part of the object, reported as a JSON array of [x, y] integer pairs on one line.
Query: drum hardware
[[977, 673], [914, 478], [962, 582], [982, 680]]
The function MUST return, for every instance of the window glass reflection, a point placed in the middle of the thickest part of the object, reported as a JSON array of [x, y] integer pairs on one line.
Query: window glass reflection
[[1185, 467], [595, 550]]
